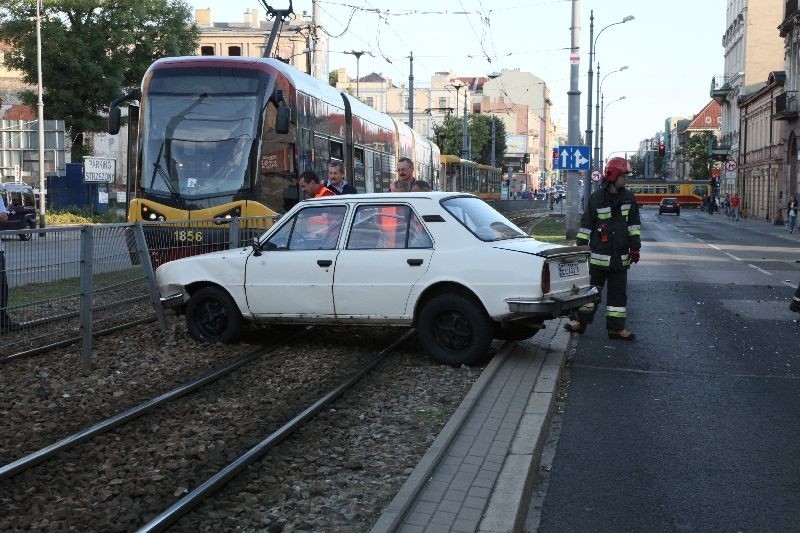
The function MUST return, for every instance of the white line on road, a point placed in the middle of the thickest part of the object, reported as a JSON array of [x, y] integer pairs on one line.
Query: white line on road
[[717, 248], [760, 269]]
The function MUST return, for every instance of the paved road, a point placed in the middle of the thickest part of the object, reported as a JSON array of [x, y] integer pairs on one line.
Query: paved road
[[694, 427]]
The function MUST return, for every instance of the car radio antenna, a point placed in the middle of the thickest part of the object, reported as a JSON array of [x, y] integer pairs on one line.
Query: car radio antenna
[[281, 15]]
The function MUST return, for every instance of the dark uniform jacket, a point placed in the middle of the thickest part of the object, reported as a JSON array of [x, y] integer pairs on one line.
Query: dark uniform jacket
[[347, 189], [610, 226]]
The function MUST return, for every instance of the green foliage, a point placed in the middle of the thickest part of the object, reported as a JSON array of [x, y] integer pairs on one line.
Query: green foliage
[[76, 215], [695, 152], [449, 137], [333, 78], [92, 50], [551, 229]]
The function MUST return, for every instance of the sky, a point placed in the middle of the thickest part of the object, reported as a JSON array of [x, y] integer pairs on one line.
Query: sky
[[672, 49]]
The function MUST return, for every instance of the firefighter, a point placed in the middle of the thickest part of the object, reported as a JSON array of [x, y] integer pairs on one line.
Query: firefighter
[[610, 226]]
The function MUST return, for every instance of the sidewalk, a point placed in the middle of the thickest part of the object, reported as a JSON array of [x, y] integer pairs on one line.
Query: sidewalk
[[478, 473], [764, 227]]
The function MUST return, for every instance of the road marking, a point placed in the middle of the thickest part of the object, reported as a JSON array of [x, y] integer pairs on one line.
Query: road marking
[[760, 269], [717, 248]]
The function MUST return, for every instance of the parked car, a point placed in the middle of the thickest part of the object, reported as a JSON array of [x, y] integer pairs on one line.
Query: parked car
[[447, 264], [20, 203], [669, 205]]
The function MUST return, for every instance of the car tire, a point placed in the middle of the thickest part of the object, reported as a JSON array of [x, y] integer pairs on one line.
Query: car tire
[[212, 316], [26, 236], [516, 332], [454, 329]]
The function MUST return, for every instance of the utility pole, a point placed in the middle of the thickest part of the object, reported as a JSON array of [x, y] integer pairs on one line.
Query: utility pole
[[493, 161], [587, 183], [40, 108], [316, 69], [574, 125], [464, 139], [411, 91]]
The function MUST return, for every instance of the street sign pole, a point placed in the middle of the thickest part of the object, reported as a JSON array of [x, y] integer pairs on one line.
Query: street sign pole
[[574, 126]]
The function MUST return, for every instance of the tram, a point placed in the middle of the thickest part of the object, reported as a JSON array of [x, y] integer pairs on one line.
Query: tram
[[689, 193], [467, 176], [217, 138]]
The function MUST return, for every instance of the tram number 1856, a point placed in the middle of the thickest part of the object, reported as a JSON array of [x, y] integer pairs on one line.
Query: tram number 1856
[[188, 236]]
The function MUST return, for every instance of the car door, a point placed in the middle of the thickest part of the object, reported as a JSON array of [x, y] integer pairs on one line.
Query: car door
[[387, 251], [293, 276]]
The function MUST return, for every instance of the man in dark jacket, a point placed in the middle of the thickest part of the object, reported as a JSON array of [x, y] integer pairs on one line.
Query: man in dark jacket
[[610, 226], [336, 182]]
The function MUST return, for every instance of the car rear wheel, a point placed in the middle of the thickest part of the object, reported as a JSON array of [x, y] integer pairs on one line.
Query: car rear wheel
[[516, 332], [454, 329], [212, 316], [26, 236]]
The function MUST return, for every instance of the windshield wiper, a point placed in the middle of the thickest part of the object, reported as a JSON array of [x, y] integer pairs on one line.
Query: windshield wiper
[[158, 169]]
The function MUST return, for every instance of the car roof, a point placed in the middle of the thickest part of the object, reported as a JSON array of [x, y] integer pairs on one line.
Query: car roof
[[393, 196]]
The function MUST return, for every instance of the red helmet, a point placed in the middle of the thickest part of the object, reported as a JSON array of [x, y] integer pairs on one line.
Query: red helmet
[[615, 167]]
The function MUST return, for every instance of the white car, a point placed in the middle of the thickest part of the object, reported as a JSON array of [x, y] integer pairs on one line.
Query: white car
[[447, 264]]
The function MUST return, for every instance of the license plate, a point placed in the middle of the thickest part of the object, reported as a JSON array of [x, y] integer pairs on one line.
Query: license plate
[[566, 270]]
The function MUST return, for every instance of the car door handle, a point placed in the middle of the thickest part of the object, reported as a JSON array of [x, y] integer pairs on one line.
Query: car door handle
[[414, 262], [324, 262]]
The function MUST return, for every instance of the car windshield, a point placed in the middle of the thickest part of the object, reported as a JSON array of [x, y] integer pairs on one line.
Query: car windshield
[[481, 219], [669, 201]]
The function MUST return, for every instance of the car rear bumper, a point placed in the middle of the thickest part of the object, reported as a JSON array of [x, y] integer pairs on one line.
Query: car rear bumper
[[554, 305]]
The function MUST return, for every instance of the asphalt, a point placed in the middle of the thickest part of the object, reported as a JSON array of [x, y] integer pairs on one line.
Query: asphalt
[[478, 474]]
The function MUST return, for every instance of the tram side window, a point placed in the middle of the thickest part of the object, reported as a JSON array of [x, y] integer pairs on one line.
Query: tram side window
[[336, 151], [321, 156], [674, 189], [358, 180]]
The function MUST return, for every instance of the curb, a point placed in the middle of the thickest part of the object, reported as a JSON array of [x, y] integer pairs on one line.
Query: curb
[[508, 503]]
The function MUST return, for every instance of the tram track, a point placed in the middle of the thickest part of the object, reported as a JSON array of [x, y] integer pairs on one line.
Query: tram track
[[105, 457]]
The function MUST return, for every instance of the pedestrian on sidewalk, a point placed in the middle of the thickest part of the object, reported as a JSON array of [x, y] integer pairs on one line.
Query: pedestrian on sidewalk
[[792, 212], [735, 201], [726, 205], [794, 305], [610, 226]]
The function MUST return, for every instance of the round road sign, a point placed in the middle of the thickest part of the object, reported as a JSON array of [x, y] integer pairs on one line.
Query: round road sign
[[596, 176], [730, 165]]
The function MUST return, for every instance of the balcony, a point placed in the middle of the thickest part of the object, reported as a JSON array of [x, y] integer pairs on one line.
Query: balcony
[[720, 148], [789, 17], [720, 88], [786, 106]]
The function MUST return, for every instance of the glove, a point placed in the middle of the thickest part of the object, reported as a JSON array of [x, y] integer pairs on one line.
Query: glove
[[633, 255]]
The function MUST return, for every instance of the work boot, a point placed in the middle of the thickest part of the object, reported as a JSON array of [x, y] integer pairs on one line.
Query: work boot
[[621, 334], [576, 326]]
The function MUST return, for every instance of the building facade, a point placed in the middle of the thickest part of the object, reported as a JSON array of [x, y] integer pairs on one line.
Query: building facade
[[786, 104], [753, 49]]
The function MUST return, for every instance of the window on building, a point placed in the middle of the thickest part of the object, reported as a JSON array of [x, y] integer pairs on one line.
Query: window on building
[[206, 50], [406, 102], [370, 101], [442, 102], [234, 50]]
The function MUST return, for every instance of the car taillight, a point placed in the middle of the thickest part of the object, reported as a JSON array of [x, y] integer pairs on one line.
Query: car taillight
[[545, 278]]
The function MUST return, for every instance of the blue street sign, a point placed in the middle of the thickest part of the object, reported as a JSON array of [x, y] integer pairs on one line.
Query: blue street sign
[[572, 158]]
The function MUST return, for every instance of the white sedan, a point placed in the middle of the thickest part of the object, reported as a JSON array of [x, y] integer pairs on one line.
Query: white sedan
[[447, 264]]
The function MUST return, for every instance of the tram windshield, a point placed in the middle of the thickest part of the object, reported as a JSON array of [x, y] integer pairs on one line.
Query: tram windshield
[[198, 131]]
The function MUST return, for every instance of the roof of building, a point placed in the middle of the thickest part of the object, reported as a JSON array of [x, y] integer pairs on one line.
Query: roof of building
[[709, 118]]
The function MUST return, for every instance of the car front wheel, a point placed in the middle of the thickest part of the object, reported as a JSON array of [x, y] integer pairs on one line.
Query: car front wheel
[[212, 316], [26, 236], [454, 329]]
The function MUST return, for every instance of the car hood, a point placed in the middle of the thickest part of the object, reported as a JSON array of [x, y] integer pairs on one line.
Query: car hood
[[225, 267]]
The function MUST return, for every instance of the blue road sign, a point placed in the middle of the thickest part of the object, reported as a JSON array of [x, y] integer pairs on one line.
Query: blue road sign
[[572, 158]]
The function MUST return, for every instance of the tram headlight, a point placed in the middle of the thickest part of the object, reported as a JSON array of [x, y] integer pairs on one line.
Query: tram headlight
[[226, 216], [148, 214]]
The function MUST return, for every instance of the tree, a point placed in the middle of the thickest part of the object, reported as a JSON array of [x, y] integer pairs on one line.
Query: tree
[[695, 152], [92, 50], [449, 136], [333, 78]]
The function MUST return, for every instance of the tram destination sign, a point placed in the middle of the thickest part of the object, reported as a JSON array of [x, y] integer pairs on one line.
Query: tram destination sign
[[99, 169]]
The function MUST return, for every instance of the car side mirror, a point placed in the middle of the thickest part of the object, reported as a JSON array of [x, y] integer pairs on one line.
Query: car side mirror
[[256, 247]]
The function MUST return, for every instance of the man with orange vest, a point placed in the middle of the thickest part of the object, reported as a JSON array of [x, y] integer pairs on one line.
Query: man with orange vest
[[311, 185]]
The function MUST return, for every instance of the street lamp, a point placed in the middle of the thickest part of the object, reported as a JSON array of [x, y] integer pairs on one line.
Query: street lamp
[[587, 184], [457, 85], [597, 154], [602, 120], [464, 140], [40, 106], [358, 55]]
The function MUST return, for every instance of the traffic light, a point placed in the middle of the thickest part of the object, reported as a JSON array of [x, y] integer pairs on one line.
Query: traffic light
[[527, 158], [662, 150]]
